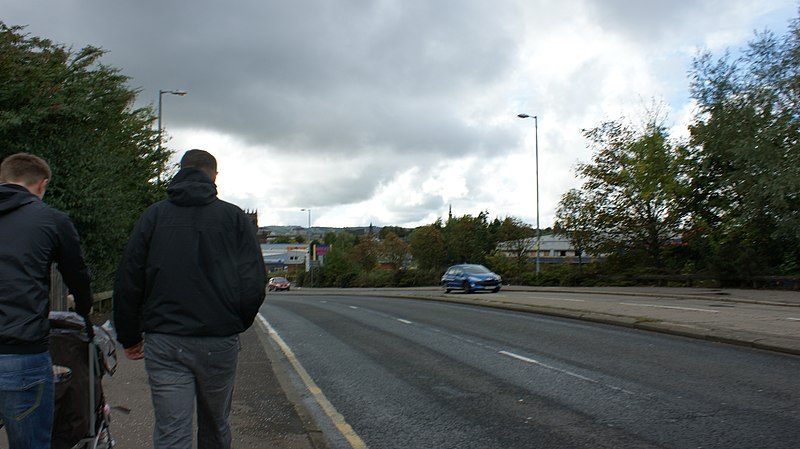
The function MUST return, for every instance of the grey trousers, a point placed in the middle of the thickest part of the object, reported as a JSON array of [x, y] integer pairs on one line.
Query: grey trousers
[[185, 370]]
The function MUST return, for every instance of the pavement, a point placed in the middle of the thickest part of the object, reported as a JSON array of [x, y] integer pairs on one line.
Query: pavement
[[268, 410]]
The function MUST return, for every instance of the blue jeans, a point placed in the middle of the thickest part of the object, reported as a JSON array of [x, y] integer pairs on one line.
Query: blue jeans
[[185, 370], [26, 399]]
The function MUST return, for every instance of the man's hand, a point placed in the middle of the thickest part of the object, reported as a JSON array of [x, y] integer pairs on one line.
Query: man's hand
[[71, 303], [135, 352]]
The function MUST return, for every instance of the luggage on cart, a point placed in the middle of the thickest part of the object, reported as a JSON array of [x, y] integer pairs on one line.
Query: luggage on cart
[[79, 364]]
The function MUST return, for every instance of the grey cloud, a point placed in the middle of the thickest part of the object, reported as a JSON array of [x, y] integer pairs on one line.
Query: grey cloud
[[322, 84], [310, 77], [646, 21], [396, 83]]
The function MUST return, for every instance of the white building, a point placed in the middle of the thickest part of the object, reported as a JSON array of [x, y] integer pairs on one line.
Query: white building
[[284, 256], [553, 249]]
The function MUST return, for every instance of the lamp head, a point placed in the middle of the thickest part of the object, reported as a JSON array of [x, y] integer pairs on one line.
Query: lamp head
[[180, 93]]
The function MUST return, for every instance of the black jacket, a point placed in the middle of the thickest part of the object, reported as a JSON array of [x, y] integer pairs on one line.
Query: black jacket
[[32, 236], [192, 267]]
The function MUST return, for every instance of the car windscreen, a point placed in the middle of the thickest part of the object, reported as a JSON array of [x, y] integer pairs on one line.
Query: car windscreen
[[476, 269], [279, 280]]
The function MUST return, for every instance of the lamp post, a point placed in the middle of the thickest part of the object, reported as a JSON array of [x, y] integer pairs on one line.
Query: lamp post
[[161, 93], [310, 249], [536, 152]]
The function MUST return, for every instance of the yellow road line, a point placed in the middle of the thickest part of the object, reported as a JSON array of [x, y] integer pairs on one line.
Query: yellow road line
[[338, 420]]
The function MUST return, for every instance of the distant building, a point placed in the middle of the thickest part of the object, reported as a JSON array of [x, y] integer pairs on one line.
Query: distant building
[[553, 249], [252, 215], [289, 257], [316, 232]]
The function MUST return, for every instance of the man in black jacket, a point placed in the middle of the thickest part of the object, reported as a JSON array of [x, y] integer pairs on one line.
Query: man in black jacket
[[191, 280], [33, 235]]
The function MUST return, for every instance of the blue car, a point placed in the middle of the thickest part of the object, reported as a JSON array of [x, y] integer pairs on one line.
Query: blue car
[[470, 277]]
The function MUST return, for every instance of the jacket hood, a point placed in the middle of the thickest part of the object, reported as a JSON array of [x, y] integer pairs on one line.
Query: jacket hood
[[13, 196], [192, 187]]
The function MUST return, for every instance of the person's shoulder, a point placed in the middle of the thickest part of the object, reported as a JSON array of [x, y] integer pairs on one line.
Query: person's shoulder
[[155, 207], [158, 204], [229, 206], [49, 216], [52, 211]]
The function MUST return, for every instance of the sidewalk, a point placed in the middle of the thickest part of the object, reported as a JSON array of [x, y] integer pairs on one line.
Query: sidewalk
[[264, 412], [263, 415]]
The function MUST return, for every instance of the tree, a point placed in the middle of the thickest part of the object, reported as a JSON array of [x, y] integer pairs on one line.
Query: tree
[[514, 235], [746, 157], [394, 251], [77, 113], [632, 190], [575, 221], [468, 239], [428, 248], [366, 253], [396, 230], [339, 270]]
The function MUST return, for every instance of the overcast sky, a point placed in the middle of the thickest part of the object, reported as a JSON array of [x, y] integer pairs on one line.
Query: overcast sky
[[390, 111]]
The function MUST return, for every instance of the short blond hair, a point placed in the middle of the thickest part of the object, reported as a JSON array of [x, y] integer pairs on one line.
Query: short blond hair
[[25, 168]]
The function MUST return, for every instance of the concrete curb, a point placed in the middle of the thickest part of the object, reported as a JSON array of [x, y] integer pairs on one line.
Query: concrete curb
[[709, 297]]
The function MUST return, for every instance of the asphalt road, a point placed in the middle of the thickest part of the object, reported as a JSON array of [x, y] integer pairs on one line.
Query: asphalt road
[[406, 373]]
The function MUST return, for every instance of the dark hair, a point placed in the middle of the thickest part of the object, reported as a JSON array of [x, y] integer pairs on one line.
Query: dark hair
[[200, 159], [25, 168]]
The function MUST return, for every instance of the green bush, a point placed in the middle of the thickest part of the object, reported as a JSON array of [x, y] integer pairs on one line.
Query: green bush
[[418, 278]]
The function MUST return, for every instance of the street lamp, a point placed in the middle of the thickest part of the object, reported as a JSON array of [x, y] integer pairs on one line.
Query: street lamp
[[310, 249], [161, 93], [536, 140]]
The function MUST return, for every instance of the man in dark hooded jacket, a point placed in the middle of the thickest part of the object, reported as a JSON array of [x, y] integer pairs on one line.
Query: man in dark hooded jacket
[[191, 280], [33, 235]]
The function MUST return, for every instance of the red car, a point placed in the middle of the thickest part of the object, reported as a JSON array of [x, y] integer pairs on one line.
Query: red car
[[278, 283]]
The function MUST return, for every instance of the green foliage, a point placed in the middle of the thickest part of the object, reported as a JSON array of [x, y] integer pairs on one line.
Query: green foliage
[[418, 278], [428, 248], [329, 238], [340, 269], [511, 228], [77, 114], [393, 251], [575, 221], [631, 197], [468, 239], [396, 230], [514, 235], [746, 157], [366, 253], [508, 268], [375, 278], [282, 239]]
